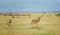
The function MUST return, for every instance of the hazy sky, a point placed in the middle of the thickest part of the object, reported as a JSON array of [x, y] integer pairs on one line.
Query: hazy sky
[[29, 5]]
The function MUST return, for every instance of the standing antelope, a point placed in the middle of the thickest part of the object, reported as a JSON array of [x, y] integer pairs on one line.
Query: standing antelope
[[35, 21], [9, 23]]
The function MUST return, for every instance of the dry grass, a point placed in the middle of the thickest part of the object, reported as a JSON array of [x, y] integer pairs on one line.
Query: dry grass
[[49, 25]]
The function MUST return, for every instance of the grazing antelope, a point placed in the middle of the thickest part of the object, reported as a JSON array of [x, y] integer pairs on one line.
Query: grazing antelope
[[9, 23], [35, 21]]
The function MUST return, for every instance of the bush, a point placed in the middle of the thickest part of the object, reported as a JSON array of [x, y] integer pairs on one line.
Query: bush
[[57, 14]]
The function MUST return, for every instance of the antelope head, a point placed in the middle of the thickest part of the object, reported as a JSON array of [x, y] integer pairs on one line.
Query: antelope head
[[40, 17]]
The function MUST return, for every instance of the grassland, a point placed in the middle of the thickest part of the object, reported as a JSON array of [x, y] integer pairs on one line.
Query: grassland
[[48, 25]]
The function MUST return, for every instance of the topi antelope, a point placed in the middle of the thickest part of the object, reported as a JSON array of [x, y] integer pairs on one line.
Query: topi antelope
[[9, 23], [35, 21]]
